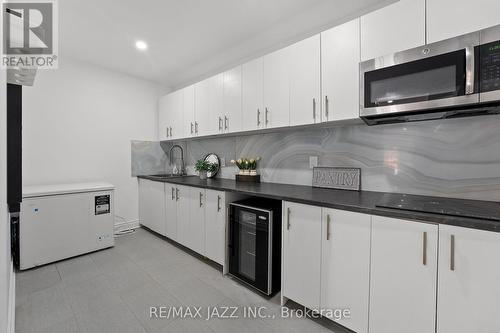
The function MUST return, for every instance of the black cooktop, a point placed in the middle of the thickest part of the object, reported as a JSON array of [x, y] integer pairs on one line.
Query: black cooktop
[[485, 210]]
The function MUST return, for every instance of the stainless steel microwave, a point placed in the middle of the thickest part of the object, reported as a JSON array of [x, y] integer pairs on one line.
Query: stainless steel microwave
[[451, 78]]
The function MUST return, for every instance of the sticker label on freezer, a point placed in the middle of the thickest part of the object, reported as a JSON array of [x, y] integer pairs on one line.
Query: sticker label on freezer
[[102, 204]]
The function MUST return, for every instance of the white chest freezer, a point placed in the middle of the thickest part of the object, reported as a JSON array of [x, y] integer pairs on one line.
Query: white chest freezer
[[63, 221]]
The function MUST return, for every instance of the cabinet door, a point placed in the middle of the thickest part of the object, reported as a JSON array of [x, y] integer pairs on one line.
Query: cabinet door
[[170, 212], [176, 114], [340, 72], [305, 105], [468, 288], [232, 100], [163, 119], [216, 87], [202, 108], [403, 276], [183, 213], [190, 124], [152, 205], [394, 28], [302, 254], [252, 77], [215, 226], [277, 89], [345, 268], [196, 221], [449, 18]]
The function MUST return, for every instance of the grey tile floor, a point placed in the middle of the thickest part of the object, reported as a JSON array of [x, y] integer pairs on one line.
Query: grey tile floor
[[112, 291]]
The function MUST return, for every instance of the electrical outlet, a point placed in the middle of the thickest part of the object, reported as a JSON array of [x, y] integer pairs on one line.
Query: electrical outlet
[[222, 161], [313, 161]]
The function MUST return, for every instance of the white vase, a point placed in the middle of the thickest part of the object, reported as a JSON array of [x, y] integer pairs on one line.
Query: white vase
[[203, 174]]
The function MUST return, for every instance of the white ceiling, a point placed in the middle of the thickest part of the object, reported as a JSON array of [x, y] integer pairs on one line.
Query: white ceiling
[[191, 39]]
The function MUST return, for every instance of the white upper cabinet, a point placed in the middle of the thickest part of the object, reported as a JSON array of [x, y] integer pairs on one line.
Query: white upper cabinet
[[176, 114], [305, 105], [449, 18], [394, 28], [190, 124], [468, 288], [252, 78], [301, 254], [345, 267], [232, 100], [163, 118], [202, 108], [216, 105], [277, 89], [170, 116], [403, 276], [340, 56]]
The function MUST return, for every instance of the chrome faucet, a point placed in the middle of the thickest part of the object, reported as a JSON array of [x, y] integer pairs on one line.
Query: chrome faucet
[[182, 157]]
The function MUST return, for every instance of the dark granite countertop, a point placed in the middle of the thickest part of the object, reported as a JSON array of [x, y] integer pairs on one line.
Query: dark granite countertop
[[362, 202]]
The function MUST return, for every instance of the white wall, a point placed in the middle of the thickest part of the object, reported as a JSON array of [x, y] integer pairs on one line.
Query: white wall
[[78, 122]]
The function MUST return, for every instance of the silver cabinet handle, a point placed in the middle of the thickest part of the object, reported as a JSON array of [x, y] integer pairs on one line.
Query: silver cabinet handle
[[196, 127], [288, 218], [167, 132], [314, 108], [170, 131], [328, 219], [218, 203], [192, 128], [173, 193], [266, 116], [326, 107], [201, 196], [226, 119], [452, 252], [258, 117], [424, 248], [176, 194], [220, 123]]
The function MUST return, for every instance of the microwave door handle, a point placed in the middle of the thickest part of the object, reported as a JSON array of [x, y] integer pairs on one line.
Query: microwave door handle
[[470, 63]]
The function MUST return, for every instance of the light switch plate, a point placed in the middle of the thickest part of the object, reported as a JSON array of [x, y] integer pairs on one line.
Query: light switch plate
[[222, 161], [313, 161]]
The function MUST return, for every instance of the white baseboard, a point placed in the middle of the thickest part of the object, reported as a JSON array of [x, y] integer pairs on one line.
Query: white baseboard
[[126, 225], [11, 324]]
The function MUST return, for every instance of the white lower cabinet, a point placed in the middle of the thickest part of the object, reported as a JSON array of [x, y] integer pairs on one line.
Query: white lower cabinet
[[345, 266], [182, 196], [196, 220], [468, 285], [215, 226], [170, 212], [403, 276], [301, 254], [191, 216], [152, 205]]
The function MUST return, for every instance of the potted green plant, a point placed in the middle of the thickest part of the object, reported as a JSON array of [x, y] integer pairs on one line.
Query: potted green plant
[[203, 167]]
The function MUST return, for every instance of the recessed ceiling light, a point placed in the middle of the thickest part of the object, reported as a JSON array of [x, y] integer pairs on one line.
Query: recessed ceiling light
[[141, 45]]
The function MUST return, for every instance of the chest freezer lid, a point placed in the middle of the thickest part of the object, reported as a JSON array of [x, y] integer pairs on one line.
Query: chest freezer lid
[[58, 189]]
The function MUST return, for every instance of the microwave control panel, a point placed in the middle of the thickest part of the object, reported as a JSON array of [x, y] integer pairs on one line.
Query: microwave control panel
[[489, 64]]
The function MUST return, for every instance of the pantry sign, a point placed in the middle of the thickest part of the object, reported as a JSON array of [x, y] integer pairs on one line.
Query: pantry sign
[[30, 34]]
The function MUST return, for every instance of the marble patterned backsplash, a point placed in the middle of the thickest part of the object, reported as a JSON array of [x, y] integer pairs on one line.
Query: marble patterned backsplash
[[148, 158], [454, 158]]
